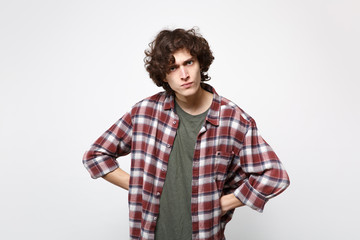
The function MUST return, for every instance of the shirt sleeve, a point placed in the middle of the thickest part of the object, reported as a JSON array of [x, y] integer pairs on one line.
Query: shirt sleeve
[[100, 159], [265, 174]]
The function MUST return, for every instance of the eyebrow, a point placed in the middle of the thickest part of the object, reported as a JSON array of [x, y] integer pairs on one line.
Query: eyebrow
[[184, 62]]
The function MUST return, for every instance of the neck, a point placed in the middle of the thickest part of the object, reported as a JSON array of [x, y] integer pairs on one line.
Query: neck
[[195, 104]]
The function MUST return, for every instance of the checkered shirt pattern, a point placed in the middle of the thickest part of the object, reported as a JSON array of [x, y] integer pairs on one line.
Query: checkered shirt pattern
[[230, 157]]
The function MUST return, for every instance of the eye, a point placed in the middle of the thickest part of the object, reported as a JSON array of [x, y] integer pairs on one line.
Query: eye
[[190, 62], [171, 69]]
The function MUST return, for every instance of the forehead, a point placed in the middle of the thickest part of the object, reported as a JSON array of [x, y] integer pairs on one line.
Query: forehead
[[181, 56]]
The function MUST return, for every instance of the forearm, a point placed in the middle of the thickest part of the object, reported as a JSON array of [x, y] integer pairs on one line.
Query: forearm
[[118, 177], [229, 202]]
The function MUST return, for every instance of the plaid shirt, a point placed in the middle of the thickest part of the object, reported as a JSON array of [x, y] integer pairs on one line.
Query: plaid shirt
[[230, 157]]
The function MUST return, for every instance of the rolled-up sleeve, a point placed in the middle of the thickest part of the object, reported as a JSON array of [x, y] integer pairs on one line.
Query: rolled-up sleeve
[[265, 174], [100, 159]]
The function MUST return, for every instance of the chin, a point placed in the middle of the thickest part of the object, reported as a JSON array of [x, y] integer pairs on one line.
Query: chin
[[187, 92]]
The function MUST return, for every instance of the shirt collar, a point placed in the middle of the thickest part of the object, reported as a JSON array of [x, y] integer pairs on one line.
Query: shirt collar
[[214, 110]]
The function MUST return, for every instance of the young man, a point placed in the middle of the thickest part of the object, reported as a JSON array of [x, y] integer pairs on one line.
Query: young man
[[195, 156]]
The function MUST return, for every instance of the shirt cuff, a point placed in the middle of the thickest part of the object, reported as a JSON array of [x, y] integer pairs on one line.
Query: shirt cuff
[[100, 169], [250, 197]]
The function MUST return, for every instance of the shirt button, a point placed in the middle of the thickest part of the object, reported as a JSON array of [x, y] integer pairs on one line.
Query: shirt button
[[168, 145], [155, 218], [163, 169], [174, 122]]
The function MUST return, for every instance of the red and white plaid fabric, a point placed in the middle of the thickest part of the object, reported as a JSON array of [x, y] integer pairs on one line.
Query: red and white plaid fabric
[[230, 157]]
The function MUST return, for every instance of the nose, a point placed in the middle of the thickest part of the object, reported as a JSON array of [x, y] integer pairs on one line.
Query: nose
[[184, 74]]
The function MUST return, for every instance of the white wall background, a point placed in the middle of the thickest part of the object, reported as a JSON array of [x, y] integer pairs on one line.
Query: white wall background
[[69, 69]]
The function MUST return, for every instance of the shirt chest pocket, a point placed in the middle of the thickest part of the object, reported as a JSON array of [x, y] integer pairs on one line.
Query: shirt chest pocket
[[222, 162]]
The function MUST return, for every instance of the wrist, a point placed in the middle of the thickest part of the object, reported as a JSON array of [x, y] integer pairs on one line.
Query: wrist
[[229, 202]]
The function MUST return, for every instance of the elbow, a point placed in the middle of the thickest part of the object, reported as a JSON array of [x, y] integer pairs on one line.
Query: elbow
[[284, 182]]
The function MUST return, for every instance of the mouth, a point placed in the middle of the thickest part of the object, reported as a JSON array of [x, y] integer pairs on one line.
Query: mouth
[[187, 85]]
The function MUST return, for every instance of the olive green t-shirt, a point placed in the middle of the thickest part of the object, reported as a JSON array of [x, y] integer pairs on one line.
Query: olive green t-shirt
[[174, 220]]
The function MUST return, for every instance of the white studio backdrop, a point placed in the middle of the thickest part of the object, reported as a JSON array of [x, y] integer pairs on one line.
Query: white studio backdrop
[[69, 69]]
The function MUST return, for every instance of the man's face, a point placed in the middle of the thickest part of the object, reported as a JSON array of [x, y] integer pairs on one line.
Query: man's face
[[184, 76]]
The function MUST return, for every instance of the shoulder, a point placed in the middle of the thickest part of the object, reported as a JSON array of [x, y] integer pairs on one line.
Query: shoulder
[[228, 111], [150, 103], [228, 107]]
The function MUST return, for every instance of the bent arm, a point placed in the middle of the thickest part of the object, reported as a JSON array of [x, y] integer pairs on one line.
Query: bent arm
[[119, 178], [264, 176], [100, 159]]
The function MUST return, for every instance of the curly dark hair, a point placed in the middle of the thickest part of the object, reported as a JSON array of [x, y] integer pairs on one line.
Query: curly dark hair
[[160, 55]]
